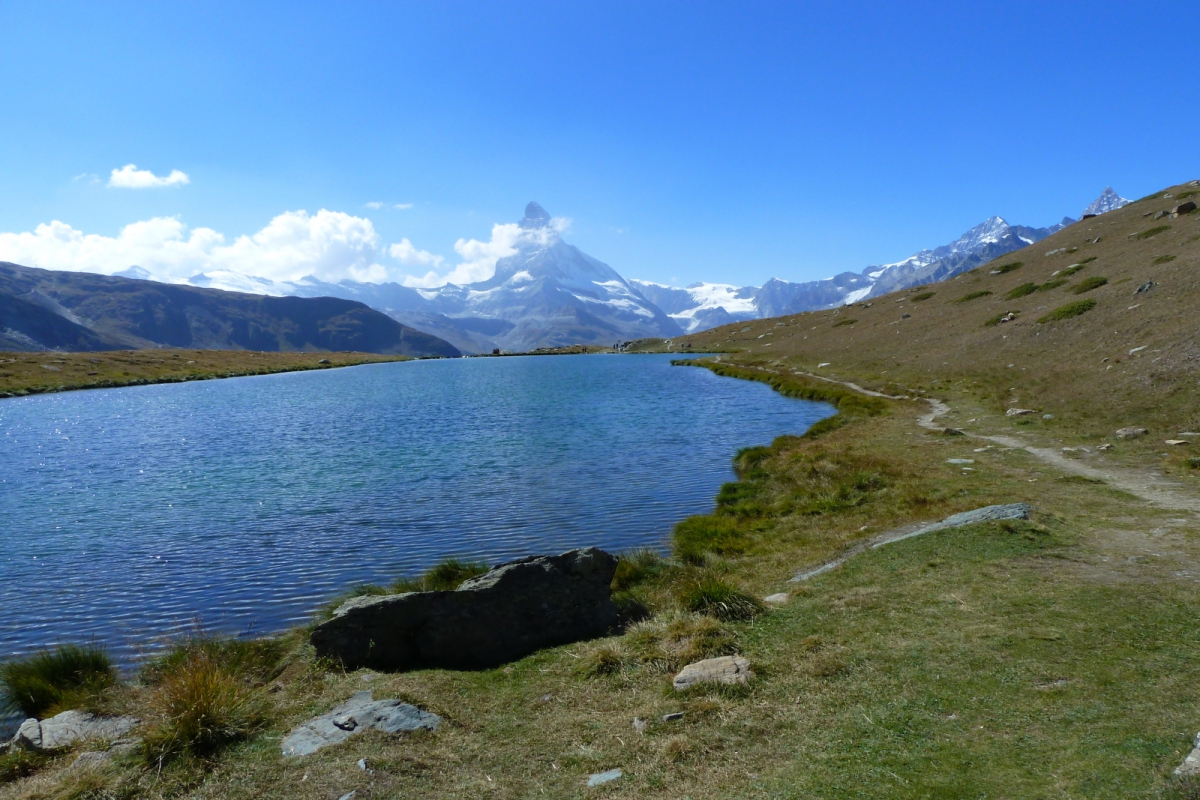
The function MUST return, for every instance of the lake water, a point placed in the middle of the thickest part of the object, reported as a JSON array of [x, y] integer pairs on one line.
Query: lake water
[[130, 515]]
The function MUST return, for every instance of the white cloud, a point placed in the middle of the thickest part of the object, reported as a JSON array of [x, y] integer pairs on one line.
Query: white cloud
[[130, 177], [402, 206], [479, 258], [330, 245], [410, 256], [375, 204]]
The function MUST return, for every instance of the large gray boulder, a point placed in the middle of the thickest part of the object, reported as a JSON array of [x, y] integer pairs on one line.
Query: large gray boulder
[[508, 612]]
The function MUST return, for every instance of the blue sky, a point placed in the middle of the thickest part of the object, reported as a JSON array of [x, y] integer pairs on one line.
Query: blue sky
[[684, 141]]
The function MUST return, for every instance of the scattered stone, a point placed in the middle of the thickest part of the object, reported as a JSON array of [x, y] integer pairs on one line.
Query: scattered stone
[[1138, 349], [824, 364], [674, 716], [1174, 442], [1131, 433], [1183, 208], [1145, 287], [1191, 764], [346, 722], [70, 728], [322, 360], [362, 764], [1188, 433], [349, 795], [389, 716], [1161, 214], [1105, 447], [639, 725], [1019, 412], [1056, 251], [776, 599], [507, 613], [726, 670], [953, 432], [603, 777], [960, 461], [1047, 416]]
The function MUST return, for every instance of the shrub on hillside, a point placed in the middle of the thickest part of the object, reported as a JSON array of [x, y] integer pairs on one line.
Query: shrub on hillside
[[1152, 232], [1021, 291], [916, 298], [844, 322], [972, 296], [1068, 311], [50, 681], [1087, 284], [1004, 269]]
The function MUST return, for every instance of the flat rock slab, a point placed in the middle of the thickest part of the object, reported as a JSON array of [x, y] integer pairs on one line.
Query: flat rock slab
[[359, 713], [507, 613], [776, 599], [70, 728], [726, 670], [1131, 433]]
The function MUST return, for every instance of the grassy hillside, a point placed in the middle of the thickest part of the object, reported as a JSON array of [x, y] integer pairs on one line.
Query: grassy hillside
[[48, 310], [1044, 659]]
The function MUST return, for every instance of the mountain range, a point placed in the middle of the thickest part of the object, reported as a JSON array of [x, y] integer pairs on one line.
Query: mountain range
[[73, 311], [547, 293]]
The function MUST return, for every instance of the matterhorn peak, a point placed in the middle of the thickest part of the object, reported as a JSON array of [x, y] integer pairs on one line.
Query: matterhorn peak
[[535, 216]]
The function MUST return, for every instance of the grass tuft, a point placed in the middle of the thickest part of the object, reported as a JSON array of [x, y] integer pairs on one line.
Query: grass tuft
[[50, 681], [844, 322], [202, 705], [1021, 291], [1087, 284], [1155, 231], [450, 573], [637, 566], [19, 762], [695, 537], [966, 298], [916, 298], [715, 598], [1068, 311], [1163, 259]]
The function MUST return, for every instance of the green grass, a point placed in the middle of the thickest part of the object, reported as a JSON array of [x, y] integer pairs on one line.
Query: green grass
[[1052, 284], [715, 598], [636, 567], [844, 322], [1087, 284], [50, 681], [1021, 291], [1163, 259], [1069, 311], [1004, 269], [698, 536], [966, 298], [916, 298], [1152, 232]]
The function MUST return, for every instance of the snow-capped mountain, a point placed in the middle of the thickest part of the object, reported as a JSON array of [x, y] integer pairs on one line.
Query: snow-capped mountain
[[700, 306], [1107, 201]]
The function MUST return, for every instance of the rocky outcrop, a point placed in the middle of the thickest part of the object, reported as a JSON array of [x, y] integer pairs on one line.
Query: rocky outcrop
[[507, 613], [68, 729], [359, 713]]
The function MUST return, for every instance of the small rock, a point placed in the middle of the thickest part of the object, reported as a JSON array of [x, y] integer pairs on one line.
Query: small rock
[[1174, 442], [603, 777], [726, 670], [1191, 764], [674, 716], [1138, 349], [1131, 433], [1145, 287], [1047, 416], [349, 795], [1188, 433], [1105, 447], [362, 764], [639, 725], [1161, 214], [776, 599], [92, 758], [1019, 412], [960, 461], [953, 432], [346, 722], [1184, 208], [323, 361]]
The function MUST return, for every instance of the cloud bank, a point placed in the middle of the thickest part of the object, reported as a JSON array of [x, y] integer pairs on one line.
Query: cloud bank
[[329, 245], [130, 177]]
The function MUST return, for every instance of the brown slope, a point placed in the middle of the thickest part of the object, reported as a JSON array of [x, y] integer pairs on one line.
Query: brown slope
[[122, 312], [1081, 367]]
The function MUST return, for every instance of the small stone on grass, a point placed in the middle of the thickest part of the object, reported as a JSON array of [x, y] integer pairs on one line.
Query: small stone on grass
[[603, 777]]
